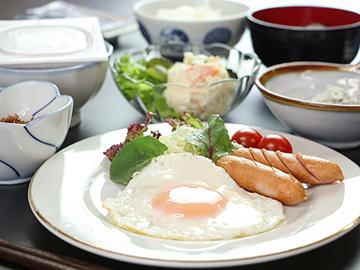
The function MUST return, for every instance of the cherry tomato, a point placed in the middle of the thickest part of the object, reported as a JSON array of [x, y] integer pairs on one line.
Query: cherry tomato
[[275, 142], [247, 137]]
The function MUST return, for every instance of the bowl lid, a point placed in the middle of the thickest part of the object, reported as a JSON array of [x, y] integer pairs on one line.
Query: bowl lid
[[61, 41]]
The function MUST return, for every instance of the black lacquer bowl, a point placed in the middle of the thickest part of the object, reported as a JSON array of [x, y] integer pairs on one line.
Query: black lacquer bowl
[[304, 33]]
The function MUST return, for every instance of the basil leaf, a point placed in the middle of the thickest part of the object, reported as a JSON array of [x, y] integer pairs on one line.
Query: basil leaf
[[212, 141], [133, 157]]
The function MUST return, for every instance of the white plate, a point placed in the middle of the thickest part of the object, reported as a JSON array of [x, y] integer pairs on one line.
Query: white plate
[[65, 195]]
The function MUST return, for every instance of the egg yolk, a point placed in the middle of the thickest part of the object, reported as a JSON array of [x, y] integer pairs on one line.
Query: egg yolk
[[189, 201]]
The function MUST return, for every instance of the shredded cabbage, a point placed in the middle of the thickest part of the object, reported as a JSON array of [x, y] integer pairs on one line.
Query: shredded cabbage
[[176, 142]]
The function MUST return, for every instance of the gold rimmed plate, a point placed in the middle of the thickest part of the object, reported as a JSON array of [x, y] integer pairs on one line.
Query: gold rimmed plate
[[65, 195]]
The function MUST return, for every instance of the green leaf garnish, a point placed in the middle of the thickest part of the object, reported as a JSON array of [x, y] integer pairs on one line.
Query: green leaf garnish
[[212, 141], [133, 157]]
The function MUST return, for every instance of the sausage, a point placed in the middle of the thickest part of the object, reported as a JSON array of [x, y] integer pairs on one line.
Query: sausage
[[268, 181], [274, 160], [258, 156], [297, 169], [307, 169], [324, 170]]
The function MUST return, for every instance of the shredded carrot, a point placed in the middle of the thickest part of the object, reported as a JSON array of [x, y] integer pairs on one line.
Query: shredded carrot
[[205, 71]]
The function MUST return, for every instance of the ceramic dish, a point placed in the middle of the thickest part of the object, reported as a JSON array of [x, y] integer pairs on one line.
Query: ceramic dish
[[67, 201], [24, 147], [228, 28], [242, 68], [48, 43], [81, 81], [288, 90], [304, 33]]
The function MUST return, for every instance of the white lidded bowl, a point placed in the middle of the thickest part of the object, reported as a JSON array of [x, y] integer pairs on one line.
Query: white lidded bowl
[[227, 29], [289, 89], [81, 81], [24, 147]]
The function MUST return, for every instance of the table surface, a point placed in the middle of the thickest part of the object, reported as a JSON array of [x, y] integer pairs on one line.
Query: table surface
[[107, 111]]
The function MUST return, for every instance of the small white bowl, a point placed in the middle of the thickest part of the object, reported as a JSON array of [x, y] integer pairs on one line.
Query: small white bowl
[[24, 147], [288, 90], [227, 29], [80, 81]]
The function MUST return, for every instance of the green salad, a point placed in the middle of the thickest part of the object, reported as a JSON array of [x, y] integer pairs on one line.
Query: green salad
[[210, 139], [145, 79]]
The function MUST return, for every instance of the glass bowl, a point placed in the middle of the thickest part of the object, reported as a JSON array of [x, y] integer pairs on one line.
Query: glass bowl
[[219, 96]]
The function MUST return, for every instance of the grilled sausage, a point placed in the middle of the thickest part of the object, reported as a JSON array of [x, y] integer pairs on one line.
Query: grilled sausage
[[324, 170], [268, 181], [307, 169]]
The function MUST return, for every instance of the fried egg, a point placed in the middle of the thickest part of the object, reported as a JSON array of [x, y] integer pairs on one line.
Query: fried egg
[[187, 197]]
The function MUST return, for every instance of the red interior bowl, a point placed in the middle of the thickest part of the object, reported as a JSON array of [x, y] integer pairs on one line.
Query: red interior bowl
[[304, 33], [307, 16]]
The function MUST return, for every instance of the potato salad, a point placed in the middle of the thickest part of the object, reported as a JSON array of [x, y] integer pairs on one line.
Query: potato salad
[[199, 84]]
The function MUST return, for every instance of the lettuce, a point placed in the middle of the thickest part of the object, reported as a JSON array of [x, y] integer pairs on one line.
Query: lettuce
[[134, 131], [144, 79], [177, 143], [211, 141]]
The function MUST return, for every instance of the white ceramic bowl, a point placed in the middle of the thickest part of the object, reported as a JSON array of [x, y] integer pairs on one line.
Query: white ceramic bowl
[[24, 147], [228, 29], [288, 90], [80, 81]]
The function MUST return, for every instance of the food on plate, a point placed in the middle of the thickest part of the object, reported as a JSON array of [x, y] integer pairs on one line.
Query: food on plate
[[307, 169], [196, 184], [250, 137], [324, 170], [275, 142], [268, 181], [247, 137], [134, 131], [176, 141], [200, 84], [187, 197], [131, 160], [193, 85], [189, 13], [13, 119], [210, 141], [345, 91], [185, 119]]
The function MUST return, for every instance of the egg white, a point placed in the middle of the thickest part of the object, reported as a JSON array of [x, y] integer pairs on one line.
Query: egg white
[[244, 214]]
